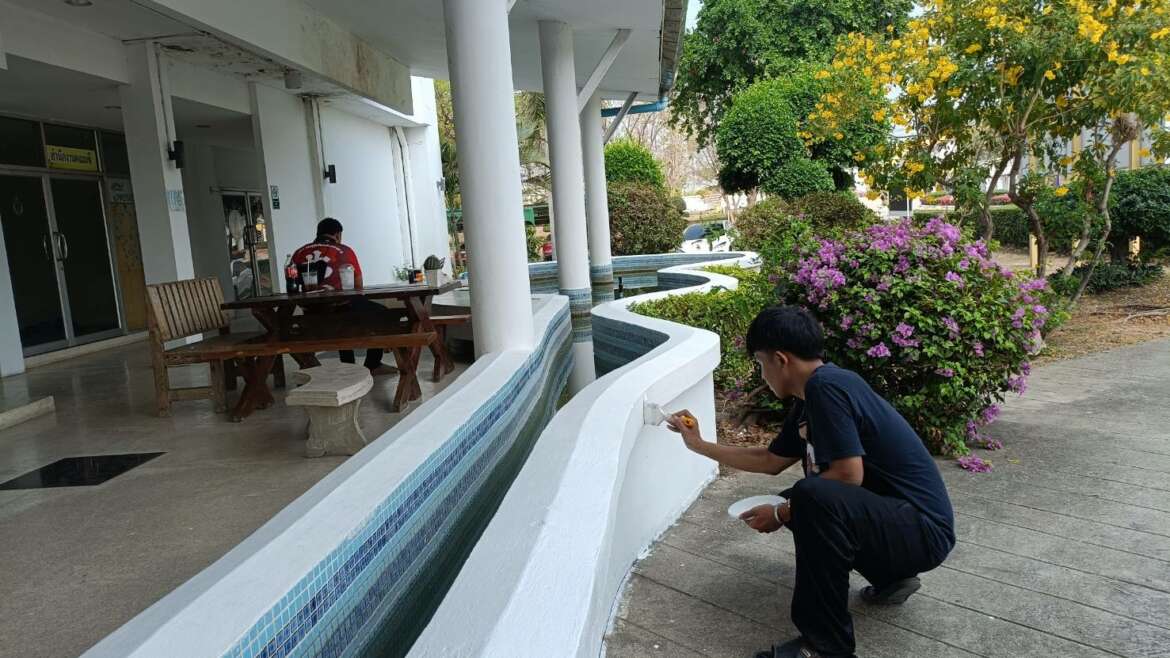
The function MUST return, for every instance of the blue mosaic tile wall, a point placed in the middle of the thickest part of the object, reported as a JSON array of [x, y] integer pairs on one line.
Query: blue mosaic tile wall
[[340, 607], [616, 343]]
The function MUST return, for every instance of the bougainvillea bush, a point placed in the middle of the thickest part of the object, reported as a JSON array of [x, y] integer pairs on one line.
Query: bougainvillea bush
[[927, 318]]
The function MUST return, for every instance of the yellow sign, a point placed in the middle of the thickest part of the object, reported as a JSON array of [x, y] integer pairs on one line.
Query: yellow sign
[[63, 157]]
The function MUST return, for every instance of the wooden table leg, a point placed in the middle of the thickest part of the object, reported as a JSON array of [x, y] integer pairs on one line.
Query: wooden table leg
[[418, 310], [255, 394], [408, 387]]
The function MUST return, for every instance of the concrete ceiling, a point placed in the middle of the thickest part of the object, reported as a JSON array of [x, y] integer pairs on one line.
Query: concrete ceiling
[[119, 19], [47, 92], [412, 31]]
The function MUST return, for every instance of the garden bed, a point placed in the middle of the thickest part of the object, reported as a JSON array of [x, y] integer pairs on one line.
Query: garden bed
[[1112, 319]]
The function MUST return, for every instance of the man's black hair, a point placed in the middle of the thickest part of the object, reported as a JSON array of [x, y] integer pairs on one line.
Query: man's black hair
[[328, 226], [786, 329]]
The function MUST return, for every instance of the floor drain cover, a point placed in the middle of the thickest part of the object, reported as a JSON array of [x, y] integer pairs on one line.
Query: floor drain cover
[[79, 471]]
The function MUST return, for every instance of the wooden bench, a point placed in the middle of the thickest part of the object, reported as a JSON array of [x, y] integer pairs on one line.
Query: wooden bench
[[191, 308], [254, 359], [331, 395]]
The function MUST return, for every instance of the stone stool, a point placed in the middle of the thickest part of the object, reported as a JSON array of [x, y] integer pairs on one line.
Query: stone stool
[[331, 395]]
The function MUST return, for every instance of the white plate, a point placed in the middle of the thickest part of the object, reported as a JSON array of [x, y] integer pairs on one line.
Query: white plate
[[743, 505]]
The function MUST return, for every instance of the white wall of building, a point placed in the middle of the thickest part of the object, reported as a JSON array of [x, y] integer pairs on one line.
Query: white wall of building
[[280, 128], [365, 197]]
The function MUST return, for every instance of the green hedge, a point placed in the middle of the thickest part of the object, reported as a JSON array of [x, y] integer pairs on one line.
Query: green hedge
[[642, 220], [627, 161]]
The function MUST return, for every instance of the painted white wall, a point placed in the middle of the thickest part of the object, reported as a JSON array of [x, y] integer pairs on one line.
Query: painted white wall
[[597, 489], [11, 352], [150, 127], [365, 198], [208, 87], [285, 160]]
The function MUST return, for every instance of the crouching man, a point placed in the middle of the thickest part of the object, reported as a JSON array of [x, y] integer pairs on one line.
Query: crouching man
[[871, 499]]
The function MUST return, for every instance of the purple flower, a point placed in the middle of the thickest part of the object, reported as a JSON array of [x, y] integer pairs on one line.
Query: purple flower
[[854, 264], [1040, 309], [1026, 368], [904, 330], [1034, 284], [869, 298], [879, 351], [974, 464], [992, 444], [978, 347], [953, 278], [964, 264], [846, 322], [884, 286], [853, 343], [902, 265], [952, 326], [945, 372], [972, 429], [1018, 384], [989, 414], [1018, 317]]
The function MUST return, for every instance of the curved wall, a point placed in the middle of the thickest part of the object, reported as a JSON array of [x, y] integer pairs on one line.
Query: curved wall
[[596, 491]]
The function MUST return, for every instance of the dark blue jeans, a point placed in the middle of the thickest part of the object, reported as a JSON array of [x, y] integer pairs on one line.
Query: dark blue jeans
[[839, 527]]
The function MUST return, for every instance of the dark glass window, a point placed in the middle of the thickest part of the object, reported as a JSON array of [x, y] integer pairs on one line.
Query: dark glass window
[[20, 143], [114, 157], [77, 138]]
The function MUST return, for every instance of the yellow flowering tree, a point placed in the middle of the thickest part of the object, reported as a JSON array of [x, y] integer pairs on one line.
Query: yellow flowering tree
[[979, 89]]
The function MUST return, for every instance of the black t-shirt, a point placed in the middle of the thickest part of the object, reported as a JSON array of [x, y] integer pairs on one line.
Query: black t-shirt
[[843, 417]]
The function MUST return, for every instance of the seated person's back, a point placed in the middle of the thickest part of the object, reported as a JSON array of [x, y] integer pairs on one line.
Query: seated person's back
[[328, 249]]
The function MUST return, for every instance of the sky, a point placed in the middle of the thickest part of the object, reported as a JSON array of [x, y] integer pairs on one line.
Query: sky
[[693, 12]]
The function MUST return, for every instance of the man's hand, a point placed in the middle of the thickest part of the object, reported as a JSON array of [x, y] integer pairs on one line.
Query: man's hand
[[762, 518], [684, 423]]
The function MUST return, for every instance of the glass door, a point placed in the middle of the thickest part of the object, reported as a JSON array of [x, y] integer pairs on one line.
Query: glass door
[[32, 263], [83, 252], [247, 236], [258, 236]]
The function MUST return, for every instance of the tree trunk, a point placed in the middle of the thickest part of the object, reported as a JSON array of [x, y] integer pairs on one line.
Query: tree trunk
[[1037, 229], [985, 210]]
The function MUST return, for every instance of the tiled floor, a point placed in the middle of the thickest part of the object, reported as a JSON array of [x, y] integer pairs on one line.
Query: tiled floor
[[1064, 550], [77, 562]]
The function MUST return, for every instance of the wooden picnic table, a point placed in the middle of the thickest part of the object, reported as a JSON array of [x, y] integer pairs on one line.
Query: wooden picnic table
[[325, 325]]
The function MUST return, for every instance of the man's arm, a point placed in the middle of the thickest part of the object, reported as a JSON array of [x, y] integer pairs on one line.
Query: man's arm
[[850, 470], [755, 460]]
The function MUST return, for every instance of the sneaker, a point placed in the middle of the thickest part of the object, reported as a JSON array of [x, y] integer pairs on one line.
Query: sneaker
[[895, 593], [794, 648]]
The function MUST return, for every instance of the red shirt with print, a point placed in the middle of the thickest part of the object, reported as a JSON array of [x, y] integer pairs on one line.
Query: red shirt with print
[[334, 254]]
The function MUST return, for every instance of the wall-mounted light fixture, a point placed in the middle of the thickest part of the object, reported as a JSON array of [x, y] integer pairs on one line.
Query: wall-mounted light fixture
[[175, 153], [331, 173]]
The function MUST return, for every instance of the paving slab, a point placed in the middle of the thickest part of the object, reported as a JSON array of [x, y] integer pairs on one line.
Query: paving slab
[[1064, 549]]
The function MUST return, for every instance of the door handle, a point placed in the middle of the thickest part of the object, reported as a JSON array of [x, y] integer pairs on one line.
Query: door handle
[[45, 248], [63, 245]]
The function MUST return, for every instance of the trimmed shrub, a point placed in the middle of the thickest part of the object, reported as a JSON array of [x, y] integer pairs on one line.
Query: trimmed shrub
[[799, 177], [627, 161], [841, 210], [1140, 207], [680, 204], [724, 312], [642, 220], [756, 136], [1110, 275], [927, 319], [770, 230]]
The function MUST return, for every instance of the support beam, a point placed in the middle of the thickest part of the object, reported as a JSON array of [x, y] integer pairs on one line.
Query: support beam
[[607, 59], [617, 121], [596, 202], [568, 191], [480, 61], [158, 184]]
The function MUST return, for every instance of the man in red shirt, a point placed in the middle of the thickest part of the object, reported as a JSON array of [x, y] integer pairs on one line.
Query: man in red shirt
[[329, 253]]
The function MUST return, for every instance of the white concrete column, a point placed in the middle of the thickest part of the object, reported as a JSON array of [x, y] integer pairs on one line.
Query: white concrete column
[[568, 191], [597, 201], [158, 184], [480, 61]]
